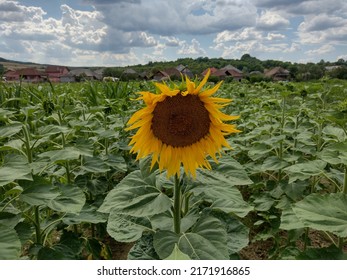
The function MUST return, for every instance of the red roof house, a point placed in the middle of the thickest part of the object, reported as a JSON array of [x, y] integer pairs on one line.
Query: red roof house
[[11, 75], [30, 75], [212, 70], [54, 73]]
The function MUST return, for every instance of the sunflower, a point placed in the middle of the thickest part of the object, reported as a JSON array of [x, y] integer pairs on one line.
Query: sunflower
[[182, 125]]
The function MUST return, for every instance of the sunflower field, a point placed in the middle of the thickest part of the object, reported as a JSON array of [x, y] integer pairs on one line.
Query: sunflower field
[[82, 175]]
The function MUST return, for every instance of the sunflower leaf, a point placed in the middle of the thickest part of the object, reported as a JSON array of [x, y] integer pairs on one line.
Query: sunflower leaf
[[218, 186], [326, 212], [206, 241], [15, 168], [303, 171], [136, 196], [10, 245], [125, 228], [177, 254]]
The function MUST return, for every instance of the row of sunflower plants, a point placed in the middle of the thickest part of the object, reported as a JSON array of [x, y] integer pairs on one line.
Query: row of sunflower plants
[[73, 172], [294, 148], [62, 148]]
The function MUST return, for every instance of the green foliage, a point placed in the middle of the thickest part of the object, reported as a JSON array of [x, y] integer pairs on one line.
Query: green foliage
[[247, 64], [68, 182]]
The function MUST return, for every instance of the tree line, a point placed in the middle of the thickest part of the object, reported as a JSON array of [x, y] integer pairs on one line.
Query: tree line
[[247, 64]]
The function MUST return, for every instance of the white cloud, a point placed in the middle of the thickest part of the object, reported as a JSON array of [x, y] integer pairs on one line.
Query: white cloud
[[275, 36], [270, 20], [321, 22], [167, 18], [12, 11], [159, 49], [322, 29], [304, 7], [242, 35], [74, 32], [322, 50], [171, 41], [294, 47], [191, 49]]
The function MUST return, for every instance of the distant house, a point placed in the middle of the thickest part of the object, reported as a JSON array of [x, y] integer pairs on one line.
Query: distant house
[[173, 73], [54, 73], [29, 75], [233, 71], [160, 76], [130, 73], [11, 75], [278, 74], [79, 74], [227, 71], [212, 70], [185, 71]]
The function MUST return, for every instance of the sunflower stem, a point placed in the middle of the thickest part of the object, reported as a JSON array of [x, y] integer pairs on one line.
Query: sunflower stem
[[177, 206]]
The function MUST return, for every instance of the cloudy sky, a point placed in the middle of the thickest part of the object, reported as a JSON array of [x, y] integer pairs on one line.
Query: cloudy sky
[[127, 32]]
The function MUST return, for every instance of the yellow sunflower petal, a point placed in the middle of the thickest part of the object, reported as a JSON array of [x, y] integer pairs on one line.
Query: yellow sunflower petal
[[190, 85], [203, 82]]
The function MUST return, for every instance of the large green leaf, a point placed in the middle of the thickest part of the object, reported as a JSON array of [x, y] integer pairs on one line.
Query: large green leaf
[[335, 153], [303, 171], [15, 168], [177, 254], [290, 221], [70, 199], [295, 190], [88, 214], [115, 161], [10, 129], [38, 192], [226, 171], [231, 203], [9, 219], [330, 155], [326, 212], [15, 144], [237, 232], [68, 153], [206, 241], [53, 129], [25, 231], [219, 186], [224, 197], [125, 228], [136, 196], [259, 150], [95, 165], [10, 246], [273, 163], [263, 202], [335, 132]]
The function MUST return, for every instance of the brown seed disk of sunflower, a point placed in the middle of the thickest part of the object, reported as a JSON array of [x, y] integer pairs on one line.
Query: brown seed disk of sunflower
[[180, 121]]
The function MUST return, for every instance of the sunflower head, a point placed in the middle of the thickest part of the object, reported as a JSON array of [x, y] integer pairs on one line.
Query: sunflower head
[[181, 126]]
